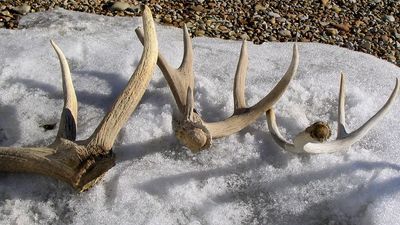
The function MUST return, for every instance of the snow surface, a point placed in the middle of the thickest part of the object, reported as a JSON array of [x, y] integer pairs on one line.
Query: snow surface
[[242, 179]]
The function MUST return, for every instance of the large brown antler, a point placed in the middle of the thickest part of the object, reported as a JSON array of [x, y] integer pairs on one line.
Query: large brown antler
[[192, 130], [82, 163]]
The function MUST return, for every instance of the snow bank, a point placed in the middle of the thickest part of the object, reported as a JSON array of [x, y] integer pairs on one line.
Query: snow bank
[[241, 179]]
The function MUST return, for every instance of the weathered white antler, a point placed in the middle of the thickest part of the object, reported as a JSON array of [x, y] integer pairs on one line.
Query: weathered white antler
[[312, 140], [82, 163], [193, 131]]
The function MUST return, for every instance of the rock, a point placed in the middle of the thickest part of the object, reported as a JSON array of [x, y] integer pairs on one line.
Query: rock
[[158, 7], [343, 26], [120, 6], [285, 33], [366, 45], [272, 20], [324, 24], [23, 9], [259, 7], [336, 8], [385, 38], [198, 8], [359, 23], [390, 18], [332, 31], [222, 28], [199, 33], [392, 58], [275, 15], [167, 19], [6, 13], [324, 2]]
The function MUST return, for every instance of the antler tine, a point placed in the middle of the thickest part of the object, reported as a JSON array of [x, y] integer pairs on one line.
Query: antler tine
[[240, 120], [187, 61], [341, 132], [107, 131], [68, 122], [179, 80], [275, 133], [240, 79], [189, 105]]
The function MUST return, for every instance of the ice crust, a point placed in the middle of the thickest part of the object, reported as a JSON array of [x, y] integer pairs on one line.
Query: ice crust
[[242, 179]]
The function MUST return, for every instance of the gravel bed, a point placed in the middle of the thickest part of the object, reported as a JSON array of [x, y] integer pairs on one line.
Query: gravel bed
[[370, 26]]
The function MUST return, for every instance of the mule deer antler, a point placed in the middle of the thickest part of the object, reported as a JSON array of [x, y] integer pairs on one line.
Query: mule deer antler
[[191, 129], [312, 140], [82, 163]]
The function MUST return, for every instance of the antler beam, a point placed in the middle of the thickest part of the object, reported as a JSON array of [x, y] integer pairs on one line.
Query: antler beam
[[82, 163], [194, 132], [312, 140]]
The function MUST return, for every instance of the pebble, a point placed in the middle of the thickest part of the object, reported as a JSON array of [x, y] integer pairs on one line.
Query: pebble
[[343, 26], [200, 33], [324, 2], [23, 9], [390, 18], [260, 7], [332, 31], [275, 15], [285, 33], [120, 6]]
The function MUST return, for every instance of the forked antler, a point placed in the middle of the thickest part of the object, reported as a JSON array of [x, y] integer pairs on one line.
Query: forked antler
[[191, 129], [82, 163], [312, 140]]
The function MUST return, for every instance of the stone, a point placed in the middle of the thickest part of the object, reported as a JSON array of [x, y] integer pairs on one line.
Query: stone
[[336, 8], [120, 6], [343, 26], [199, 33], [390, 18], [275, 15], [198, 8], [260, 7], [23, 9], [359, 23], [285, 33], [324, 2], [6, 13], [332, 31], [385, 38], [167, 19]]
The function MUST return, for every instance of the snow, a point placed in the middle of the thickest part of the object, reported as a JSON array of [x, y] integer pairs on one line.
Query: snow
[[242, 179]]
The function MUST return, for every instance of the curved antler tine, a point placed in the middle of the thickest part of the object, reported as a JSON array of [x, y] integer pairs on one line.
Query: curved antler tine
[[239, 121], [161, 62], [273, 96], [105, 134], [178, 79], [69, 115], [189, 105], [342, 133], [276, 135], [240, 79], [187, 61], [356, 135]]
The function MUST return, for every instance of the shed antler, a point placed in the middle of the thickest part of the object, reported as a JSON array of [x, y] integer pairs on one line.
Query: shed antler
[[312, 140], [82, 163], [191, 129]]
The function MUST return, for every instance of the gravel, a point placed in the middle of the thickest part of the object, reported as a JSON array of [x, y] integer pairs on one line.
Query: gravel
[[370, 26]]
